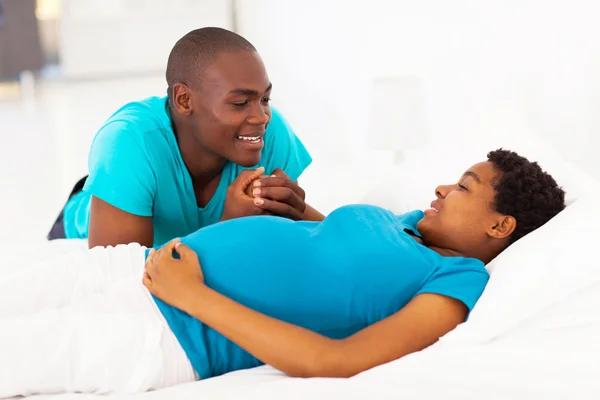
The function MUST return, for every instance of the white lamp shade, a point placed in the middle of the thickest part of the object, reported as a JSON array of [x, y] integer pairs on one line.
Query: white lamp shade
[[397, 119]]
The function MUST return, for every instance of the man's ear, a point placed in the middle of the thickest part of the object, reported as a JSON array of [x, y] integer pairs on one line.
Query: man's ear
[[182, 99], [503, 227]]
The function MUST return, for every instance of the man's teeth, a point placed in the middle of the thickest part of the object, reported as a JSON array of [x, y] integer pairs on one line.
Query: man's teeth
[[249, 138]]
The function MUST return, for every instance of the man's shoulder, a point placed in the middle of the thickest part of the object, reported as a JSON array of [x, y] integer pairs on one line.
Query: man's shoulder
[[136, 124], [139, 117]]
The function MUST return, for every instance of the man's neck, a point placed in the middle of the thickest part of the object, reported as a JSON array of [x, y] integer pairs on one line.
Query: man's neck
[[203, 165]]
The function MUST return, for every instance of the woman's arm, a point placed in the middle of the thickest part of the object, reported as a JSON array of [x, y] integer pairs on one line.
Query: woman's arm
[[302, 353], [294, 350]]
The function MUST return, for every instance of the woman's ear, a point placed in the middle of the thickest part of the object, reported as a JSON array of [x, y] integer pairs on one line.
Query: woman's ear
[[503, 227]]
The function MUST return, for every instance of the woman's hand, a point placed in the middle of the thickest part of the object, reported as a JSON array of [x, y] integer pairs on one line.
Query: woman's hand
[[237, 201], [174, 281]]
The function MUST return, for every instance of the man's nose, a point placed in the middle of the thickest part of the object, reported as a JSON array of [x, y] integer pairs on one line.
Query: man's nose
[[260, 115]]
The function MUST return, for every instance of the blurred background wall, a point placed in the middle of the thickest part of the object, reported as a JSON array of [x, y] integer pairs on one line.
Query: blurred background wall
[[489, 68]]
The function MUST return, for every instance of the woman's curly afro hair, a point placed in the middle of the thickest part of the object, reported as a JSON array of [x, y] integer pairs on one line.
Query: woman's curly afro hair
[[525, 192]]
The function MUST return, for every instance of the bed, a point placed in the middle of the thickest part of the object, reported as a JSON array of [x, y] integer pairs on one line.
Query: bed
[[533, 334]]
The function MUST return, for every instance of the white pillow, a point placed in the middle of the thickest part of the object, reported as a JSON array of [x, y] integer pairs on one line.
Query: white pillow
[[544, 280]]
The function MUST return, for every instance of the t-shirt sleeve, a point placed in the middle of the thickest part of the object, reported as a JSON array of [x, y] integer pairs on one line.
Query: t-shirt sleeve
[[412, 218], [283, 149], [460, 279], [120, 172]]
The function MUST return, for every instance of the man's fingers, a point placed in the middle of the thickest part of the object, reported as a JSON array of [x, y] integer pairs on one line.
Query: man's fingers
[[246, 177], [278, 208], [279, 173], [280, 182], [281, 194], [277, 178], [185, 253], [272, 181]]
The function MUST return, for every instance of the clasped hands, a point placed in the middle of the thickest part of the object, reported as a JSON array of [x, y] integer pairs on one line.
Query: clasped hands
[[253, 193]]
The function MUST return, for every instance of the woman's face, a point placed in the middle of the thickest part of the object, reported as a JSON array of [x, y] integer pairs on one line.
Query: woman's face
[[462, 217]]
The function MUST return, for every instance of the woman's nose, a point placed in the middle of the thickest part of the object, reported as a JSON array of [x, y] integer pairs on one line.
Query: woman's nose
[[441, 191]]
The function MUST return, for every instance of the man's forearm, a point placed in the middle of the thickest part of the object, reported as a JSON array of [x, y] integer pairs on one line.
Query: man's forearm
[[310, 214]]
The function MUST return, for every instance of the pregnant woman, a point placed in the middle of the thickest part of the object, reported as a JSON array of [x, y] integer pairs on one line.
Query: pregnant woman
[[328, 299]]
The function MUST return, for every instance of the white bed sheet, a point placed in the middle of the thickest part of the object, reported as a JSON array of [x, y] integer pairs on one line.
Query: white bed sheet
[[536, 359], [472, 372]]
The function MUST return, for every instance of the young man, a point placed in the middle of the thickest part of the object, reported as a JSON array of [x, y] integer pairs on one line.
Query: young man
[[166, 167], [313, 299]]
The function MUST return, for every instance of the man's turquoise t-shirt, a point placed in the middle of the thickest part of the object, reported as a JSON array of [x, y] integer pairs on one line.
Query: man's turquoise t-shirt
[[334, 277], [135, 165]]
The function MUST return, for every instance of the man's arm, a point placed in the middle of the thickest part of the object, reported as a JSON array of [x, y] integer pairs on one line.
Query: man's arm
[[122, 183], [110, 226], [310, 214]]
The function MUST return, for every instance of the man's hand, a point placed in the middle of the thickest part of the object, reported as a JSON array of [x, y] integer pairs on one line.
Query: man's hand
[[278, 195], [237, 202], [174, 281]]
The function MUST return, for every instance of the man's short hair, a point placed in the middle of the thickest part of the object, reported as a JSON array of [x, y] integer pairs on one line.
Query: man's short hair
[[525, 192], [194, 52]]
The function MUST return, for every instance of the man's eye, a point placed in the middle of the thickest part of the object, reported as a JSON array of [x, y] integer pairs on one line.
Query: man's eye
[[240, 103], [266, 100]]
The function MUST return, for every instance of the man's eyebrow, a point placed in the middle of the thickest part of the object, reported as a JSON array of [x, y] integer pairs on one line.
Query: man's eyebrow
[[472, 175], [249, 92]]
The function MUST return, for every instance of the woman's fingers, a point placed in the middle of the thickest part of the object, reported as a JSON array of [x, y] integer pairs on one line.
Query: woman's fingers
[[185, 253], [147, 280]]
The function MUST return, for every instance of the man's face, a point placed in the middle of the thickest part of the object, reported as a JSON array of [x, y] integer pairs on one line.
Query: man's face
[[462, 216], [231, 109]]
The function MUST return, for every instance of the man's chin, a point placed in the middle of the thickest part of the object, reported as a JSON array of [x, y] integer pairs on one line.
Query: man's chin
[[248, 161]]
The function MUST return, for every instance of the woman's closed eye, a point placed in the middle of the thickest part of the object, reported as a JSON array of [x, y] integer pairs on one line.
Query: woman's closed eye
[[240, 103], [462, 187]]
